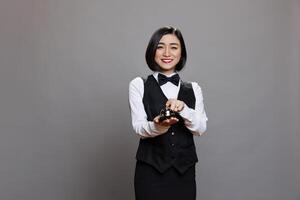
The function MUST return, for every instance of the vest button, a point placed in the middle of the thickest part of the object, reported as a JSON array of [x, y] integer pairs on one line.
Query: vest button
[[173, 144], [173, 133]]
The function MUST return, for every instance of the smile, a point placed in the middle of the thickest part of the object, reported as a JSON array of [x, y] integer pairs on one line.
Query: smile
[[166, 60]]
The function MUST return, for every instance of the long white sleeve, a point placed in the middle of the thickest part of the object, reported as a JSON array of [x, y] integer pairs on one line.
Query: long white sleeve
[[140, 124], [194, 119]]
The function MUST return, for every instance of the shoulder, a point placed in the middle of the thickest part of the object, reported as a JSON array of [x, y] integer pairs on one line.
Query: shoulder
[[136, 81], [139, 81], [197, 90], [194, 85], [136, 84]]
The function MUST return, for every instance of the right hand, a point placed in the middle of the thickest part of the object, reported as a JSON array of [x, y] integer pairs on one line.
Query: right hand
[[166, 122]]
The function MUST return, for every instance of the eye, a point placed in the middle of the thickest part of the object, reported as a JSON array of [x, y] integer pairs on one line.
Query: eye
[[159, 47], [174, 48]]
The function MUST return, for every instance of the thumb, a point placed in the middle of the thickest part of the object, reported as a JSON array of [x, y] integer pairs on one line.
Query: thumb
[[156, 119]]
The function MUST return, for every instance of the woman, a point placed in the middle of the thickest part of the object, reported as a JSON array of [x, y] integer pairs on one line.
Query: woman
[[166, 156]]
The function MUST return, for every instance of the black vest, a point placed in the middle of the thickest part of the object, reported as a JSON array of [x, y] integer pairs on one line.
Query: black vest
[[176, 147]]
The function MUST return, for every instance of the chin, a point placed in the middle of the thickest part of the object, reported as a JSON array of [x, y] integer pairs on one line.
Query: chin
[[166, 67]]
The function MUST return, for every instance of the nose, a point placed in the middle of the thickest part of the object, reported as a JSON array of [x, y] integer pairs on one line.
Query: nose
[[167, 52]]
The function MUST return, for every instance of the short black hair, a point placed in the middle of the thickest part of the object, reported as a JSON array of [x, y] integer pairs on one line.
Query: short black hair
[[152, 45]]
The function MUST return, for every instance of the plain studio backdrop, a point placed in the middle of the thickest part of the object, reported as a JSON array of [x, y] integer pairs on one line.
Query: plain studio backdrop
[[65, 66]]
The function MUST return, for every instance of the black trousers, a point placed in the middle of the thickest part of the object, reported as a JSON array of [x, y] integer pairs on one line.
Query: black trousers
[[150, 184]]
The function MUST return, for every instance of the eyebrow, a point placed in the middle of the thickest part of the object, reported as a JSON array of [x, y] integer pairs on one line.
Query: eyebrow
[[170, 43]]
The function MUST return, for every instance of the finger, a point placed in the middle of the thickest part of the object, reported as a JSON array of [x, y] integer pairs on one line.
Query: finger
[[167, 122], [173, 121], [173, 105], [168, 103], [156, 120], [176, 108], [179, 108], [180, 105]]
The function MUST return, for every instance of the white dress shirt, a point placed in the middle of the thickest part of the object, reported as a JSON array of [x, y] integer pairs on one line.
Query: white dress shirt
[[194, 119]]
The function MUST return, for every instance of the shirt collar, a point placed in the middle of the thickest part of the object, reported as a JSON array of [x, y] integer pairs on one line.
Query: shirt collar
[[155, 74]]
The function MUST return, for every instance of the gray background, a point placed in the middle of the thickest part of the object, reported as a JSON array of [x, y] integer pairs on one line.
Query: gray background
[[65, 131]]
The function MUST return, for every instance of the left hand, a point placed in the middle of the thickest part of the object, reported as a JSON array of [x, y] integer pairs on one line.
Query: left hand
[[175, 105]]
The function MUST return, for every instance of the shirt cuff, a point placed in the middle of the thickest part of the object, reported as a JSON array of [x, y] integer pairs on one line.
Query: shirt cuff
[[186, 113]]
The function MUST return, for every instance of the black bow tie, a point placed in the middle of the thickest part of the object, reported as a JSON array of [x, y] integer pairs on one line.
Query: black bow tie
[[162, 79]]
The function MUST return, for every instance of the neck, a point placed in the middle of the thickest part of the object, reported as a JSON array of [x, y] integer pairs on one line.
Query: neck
[[167, 73]]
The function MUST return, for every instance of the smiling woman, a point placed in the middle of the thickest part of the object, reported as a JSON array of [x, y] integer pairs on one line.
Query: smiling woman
[[166, 156]]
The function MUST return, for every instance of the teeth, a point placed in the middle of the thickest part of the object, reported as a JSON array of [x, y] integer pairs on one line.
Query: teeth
[[166, 60]]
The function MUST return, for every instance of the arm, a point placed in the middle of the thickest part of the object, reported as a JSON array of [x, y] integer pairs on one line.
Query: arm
[[195, 119], [140, 124]]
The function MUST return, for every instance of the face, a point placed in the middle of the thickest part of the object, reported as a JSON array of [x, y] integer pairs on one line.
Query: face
[[168, 53]]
